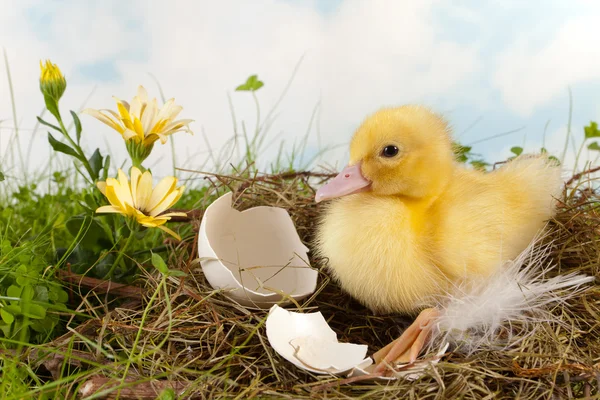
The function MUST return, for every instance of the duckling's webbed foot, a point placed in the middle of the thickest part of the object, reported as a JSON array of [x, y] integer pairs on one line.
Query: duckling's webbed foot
[[408, 346]]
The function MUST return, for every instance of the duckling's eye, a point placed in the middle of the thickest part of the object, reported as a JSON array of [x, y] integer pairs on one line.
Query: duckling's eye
[[389, 151]]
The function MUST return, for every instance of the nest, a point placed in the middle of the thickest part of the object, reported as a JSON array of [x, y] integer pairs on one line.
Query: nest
[[182, 335]]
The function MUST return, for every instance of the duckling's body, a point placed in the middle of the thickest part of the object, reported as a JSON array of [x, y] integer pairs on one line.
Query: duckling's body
[[408, 222], [396, 253]]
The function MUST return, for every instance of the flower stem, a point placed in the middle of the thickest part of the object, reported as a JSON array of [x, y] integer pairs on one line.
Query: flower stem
[[124, 248], [77, 148]]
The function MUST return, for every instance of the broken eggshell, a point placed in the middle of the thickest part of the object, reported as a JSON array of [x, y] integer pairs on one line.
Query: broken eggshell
[[307, 341], [256, 254]]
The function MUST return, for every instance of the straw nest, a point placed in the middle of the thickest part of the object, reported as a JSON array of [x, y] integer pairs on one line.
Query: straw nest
[[195, 341]]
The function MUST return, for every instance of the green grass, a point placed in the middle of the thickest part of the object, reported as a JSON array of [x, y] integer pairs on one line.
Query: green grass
[[164, 333]]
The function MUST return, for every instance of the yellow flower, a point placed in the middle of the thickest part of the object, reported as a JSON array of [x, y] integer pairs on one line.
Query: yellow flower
[[138, 200], [52, 81], [52, 85], [143, 121]]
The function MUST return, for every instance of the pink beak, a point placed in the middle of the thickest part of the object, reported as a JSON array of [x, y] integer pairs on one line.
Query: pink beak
[[349, 181]]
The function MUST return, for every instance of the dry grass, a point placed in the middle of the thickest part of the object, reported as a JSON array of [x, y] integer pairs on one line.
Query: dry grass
[[183, 334]]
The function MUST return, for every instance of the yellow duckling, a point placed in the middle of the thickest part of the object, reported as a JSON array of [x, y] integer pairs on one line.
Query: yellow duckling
[[408, 222]]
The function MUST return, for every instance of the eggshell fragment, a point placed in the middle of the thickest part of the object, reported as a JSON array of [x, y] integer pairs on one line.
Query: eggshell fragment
[[256, 254], [307, 341], [415, 371]]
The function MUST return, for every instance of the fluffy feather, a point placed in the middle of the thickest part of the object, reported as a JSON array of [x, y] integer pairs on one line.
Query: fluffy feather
[[516, 296]]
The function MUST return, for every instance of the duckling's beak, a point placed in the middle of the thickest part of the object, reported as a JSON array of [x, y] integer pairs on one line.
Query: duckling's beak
[[349, 181]]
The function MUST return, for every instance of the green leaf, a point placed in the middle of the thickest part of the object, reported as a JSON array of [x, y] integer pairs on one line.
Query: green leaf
[[43, 325], [13, 291], [96, 163], [27, 293], [479, 165], [90, 201], [252, 84], [167, 394], [516, 150], [41, 293], [594, 146], [63, 296], [35, 311], [159, 264], [49, 125], [61, 147], [77, 123], [461, 152], [6, 316], [176, 272], [106, 167], [1, 176], [22, 275], [13, 309], [591, 131], [52, 105], [95, 238]]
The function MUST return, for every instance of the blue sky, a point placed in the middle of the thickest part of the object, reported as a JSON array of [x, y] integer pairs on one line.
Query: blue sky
[[488, 66]]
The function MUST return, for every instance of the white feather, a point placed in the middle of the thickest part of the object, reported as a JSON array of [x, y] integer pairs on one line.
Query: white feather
[[510, 301]]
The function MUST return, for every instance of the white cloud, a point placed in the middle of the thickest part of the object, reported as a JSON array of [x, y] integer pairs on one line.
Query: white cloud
[[529, 75], [363, 56]]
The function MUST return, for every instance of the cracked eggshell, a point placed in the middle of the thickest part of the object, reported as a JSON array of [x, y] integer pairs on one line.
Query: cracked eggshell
[[256, 254], [307, 341], [411, 373]]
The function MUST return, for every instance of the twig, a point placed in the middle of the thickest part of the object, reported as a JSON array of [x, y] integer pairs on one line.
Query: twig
[[538, 372], [133, 390], [191, 215], [579, 175], [346, 381], [102, 286], [198, 213], [286, 176]]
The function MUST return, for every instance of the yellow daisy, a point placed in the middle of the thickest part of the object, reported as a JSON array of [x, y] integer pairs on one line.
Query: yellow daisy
[[138, 200], [143, 121]]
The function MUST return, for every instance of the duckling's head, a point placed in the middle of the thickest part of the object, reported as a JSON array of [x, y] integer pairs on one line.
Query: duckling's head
[[405, 151]]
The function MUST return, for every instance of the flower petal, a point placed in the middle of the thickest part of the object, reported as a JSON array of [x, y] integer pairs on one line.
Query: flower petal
[[173, 214], [176, 125], [136, 108], [123, 190], [170, 232], [142, 94], [125, 117], [112, 197], [167, 202], [109, 209], [136, 174], [149, 116], [137, 126], [101, 185], [164, 187], [144, 191], [128, 134], [104, 119]]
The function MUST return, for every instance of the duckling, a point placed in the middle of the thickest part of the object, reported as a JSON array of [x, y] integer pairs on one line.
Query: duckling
[[407, 222]]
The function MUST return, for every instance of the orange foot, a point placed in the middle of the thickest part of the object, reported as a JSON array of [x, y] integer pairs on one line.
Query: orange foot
[[408, 346]]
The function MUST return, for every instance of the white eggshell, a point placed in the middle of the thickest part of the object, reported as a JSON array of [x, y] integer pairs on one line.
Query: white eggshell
[[256, 253], [307, 341], [414, 372]]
